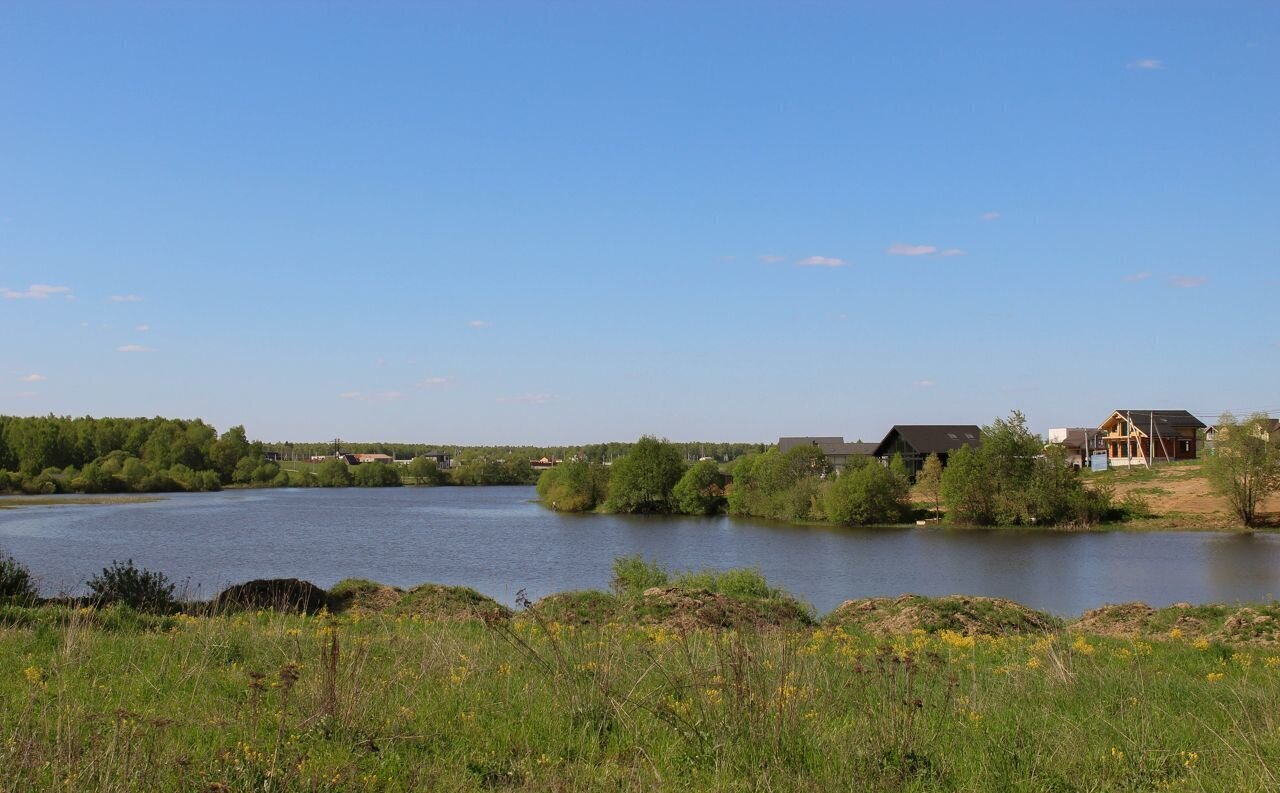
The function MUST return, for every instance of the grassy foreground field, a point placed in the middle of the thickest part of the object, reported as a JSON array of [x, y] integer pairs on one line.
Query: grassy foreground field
[[440, 689]]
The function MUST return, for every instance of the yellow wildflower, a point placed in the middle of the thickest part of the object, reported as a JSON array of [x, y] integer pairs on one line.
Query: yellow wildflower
[[1214, 677]]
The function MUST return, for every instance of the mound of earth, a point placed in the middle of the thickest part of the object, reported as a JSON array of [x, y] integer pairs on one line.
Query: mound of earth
[[1257, 625], [458, 603], [276, 594], [687, 609], [968, 615], [585, 607], [1250, 626], [361, 596], [1117, 619]]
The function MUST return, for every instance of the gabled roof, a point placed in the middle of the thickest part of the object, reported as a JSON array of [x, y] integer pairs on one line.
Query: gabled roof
[[1163, 422], [828, 444], [930, 438]]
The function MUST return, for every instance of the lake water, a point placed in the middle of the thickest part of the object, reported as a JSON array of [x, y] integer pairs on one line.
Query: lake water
[[497, 540]]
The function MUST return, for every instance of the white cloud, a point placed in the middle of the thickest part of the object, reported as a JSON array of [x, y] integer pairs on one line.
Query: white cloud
[[478, 323], [372, 396], [125, 299], [1188, 281], [35, 292], [525, 399], [1147, 63], [989, 216], [821, 261], [1134, 278], [903, 249], [142, 328], [925, 383], [951, 252], [436, 381], [769, 258], [134, 348], [33, 378]]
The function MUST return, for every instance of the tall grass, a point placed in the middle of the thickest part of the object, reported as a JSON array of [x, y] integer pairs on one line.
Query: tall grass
[[97, 700]]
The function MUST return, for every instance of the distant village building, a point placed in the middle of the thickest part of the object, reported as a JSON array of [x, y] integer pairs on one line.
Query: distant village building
[[1079, 442], [443, 460], [837, 451], [373, 458], [915, 442], [1146, 437], [543, 463]]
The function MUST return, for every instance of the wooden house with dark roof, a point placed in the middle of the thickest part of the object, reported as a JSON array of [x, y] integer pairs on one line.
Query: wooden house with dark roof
[[838, 452], [1145, 437], [915, 442]]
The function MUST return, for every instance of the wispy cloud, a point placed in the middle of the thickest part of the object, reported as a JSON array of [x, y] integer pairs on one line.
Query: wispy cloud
[[125, 299], [925, 383], [134, 348], [1133, 278], [437, 381], [989, 216], [33, 378], [479, 323], [36, 292], [1147, 63], [372, 396], [770, 258], [142, 328], [821, 261], [1188, 281], [903, 249], [525, 399]]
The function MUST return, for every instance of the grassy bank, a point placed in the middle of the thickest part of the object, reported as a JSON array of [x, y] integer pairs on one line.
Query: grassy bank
[[438, 688]]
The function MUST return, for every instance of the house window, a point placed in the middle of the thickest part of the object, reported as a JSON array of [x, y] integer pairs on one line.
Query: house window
[[1186, 446]]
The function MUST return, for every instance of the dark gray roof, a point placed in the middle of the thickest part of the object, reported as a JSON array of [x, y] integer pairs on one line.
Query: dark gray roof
[[929, 438], [828, 444], [1165, 422], [1082, 438]]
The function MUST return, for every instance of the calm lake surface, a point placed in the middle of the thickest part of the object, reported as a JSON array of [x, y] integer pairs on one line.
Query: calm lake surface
[[497, 540]]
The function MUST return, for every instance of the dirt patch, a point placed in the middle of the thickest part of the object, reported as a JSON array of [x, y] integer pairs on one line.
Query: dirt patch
[[1249, 626], [363, 597], [275, 594], [1123, 619], [1181, 492], [690, 609], [968, 615], [455, 603]]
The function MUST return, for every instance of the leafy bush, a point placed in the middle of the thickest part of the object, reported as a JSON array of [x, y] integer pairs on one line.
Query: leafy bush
[[15, 580], [140, 589], [574, 486], [867, 494], [739, 582], [642, 482], [632, 575]]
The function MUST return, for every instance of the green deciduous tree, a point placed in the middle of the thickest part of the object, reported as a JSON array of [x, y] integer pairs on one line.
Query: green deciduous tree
[[424, 471], [867, 493], [929, 480], [575, 486], [333, 473], [643, 480], [700, 490], [1245, 465]]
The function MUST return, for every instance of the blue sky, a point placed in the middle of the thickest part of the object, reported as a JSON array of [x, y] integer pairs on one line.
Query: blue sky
[[575, 222]]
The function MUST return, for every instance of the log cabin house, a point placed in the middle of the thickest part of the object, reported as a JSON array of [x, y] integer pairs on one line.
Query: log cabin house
[[1146, 437]]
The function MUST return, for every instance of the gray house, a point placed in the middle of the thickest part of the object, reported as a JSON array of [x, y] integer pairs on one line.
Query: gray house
[[836, 449]]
